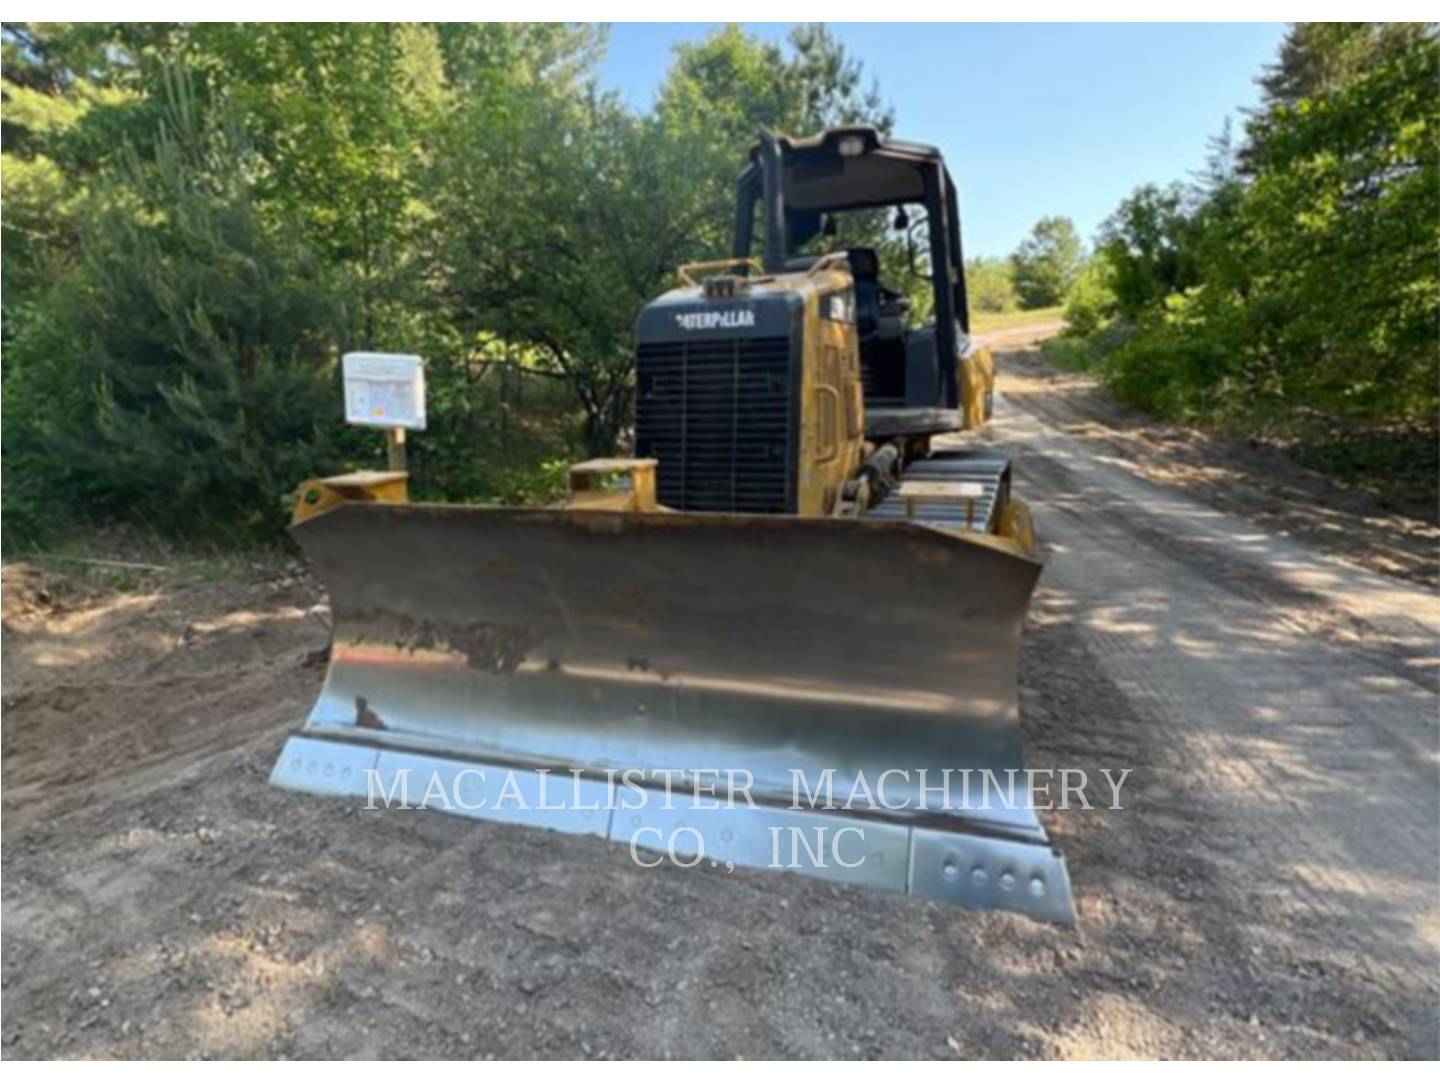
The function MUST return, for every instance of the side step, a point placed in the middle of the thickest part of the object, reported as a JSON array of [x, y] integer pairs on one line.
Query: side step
[[963, 868], [989, 470]]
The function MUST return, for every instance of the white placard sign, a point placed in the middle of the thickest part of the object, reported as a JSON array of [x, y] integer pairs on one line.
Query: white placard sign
[[384, 390]]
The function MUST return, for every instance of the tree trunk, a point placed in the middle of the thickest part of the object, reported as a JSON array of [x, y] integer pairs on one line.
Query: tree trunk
[[601, 433]]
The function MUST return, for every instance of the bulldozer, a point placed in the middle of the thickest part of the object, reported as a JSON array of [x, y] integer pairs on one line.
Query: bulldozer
[[801, 585]]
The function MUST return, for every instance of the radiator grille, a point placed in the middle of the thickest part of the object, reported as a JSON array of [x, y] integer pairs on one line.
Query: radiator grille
[[717, 417]]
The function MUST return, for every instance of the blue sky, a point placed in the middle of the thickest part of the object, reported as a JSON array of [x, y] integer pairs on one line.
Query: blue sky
[[1033, 119]]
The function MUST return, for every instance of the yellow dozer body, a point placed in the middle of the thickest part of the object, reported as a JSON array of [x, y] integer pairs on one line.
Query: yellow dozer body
[[784, 635]]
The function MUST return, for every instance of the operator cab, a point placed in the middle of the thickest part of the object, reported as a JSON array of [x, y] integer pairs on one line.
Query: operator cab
[[909, 372]]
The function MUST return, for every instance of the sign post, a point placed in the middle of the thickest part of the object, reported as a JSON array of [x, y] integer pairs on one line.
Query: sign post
[[386, 390], [395, 449]]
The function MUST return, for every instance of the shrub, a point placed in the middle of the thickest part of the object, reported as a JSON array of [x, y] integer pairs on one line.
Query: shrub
[[183, 374], [1091, 301], [989, 285]]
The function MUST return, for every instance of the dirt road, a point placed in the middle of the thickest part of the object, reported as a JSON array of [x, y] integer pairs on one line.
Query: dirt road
[[1270, 890], [1020, 337]]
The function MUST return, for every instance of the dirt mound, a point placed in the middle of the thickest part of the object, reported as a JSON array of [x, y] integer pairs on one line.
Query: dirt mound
[[103, 689], [27, 593]]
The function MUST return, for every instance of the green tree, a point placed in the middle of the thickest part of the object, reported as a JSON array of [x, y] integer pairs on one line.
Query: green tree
[[1320, 59], [989, 285], [181, 375], [1295, 288], [831, 86], [1148, 244], [62, 89], [1341, 206], [1045, 264], [588, 209], [1091, 300], [339, 114]]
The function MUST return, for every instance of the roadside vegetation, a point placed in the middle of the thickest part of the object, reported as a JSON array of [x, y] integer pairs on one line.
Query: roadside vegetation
[[1037, 276], [199, 219], [1291, 291]]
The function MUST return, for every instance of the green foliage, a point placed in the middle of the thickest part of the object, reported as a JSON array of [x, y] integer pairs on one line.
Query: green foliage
[[1044, 266], [989, 285], [200, 218], [1296, 287], [830, 85], [1147, 248], [1071, 353], [1344, 193], [192, 347], [1179, 360], [59, 88], [594, 207], [1320, 59], [1091, 300]]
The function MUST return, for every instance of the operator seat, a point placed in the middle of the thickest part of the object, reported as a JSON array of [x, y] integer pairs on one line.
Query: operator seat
[[880, 326]]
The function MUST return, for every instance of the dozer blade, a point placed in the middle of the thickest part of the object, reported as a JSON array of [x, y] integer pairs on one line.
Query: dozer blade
[[842, 673]]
